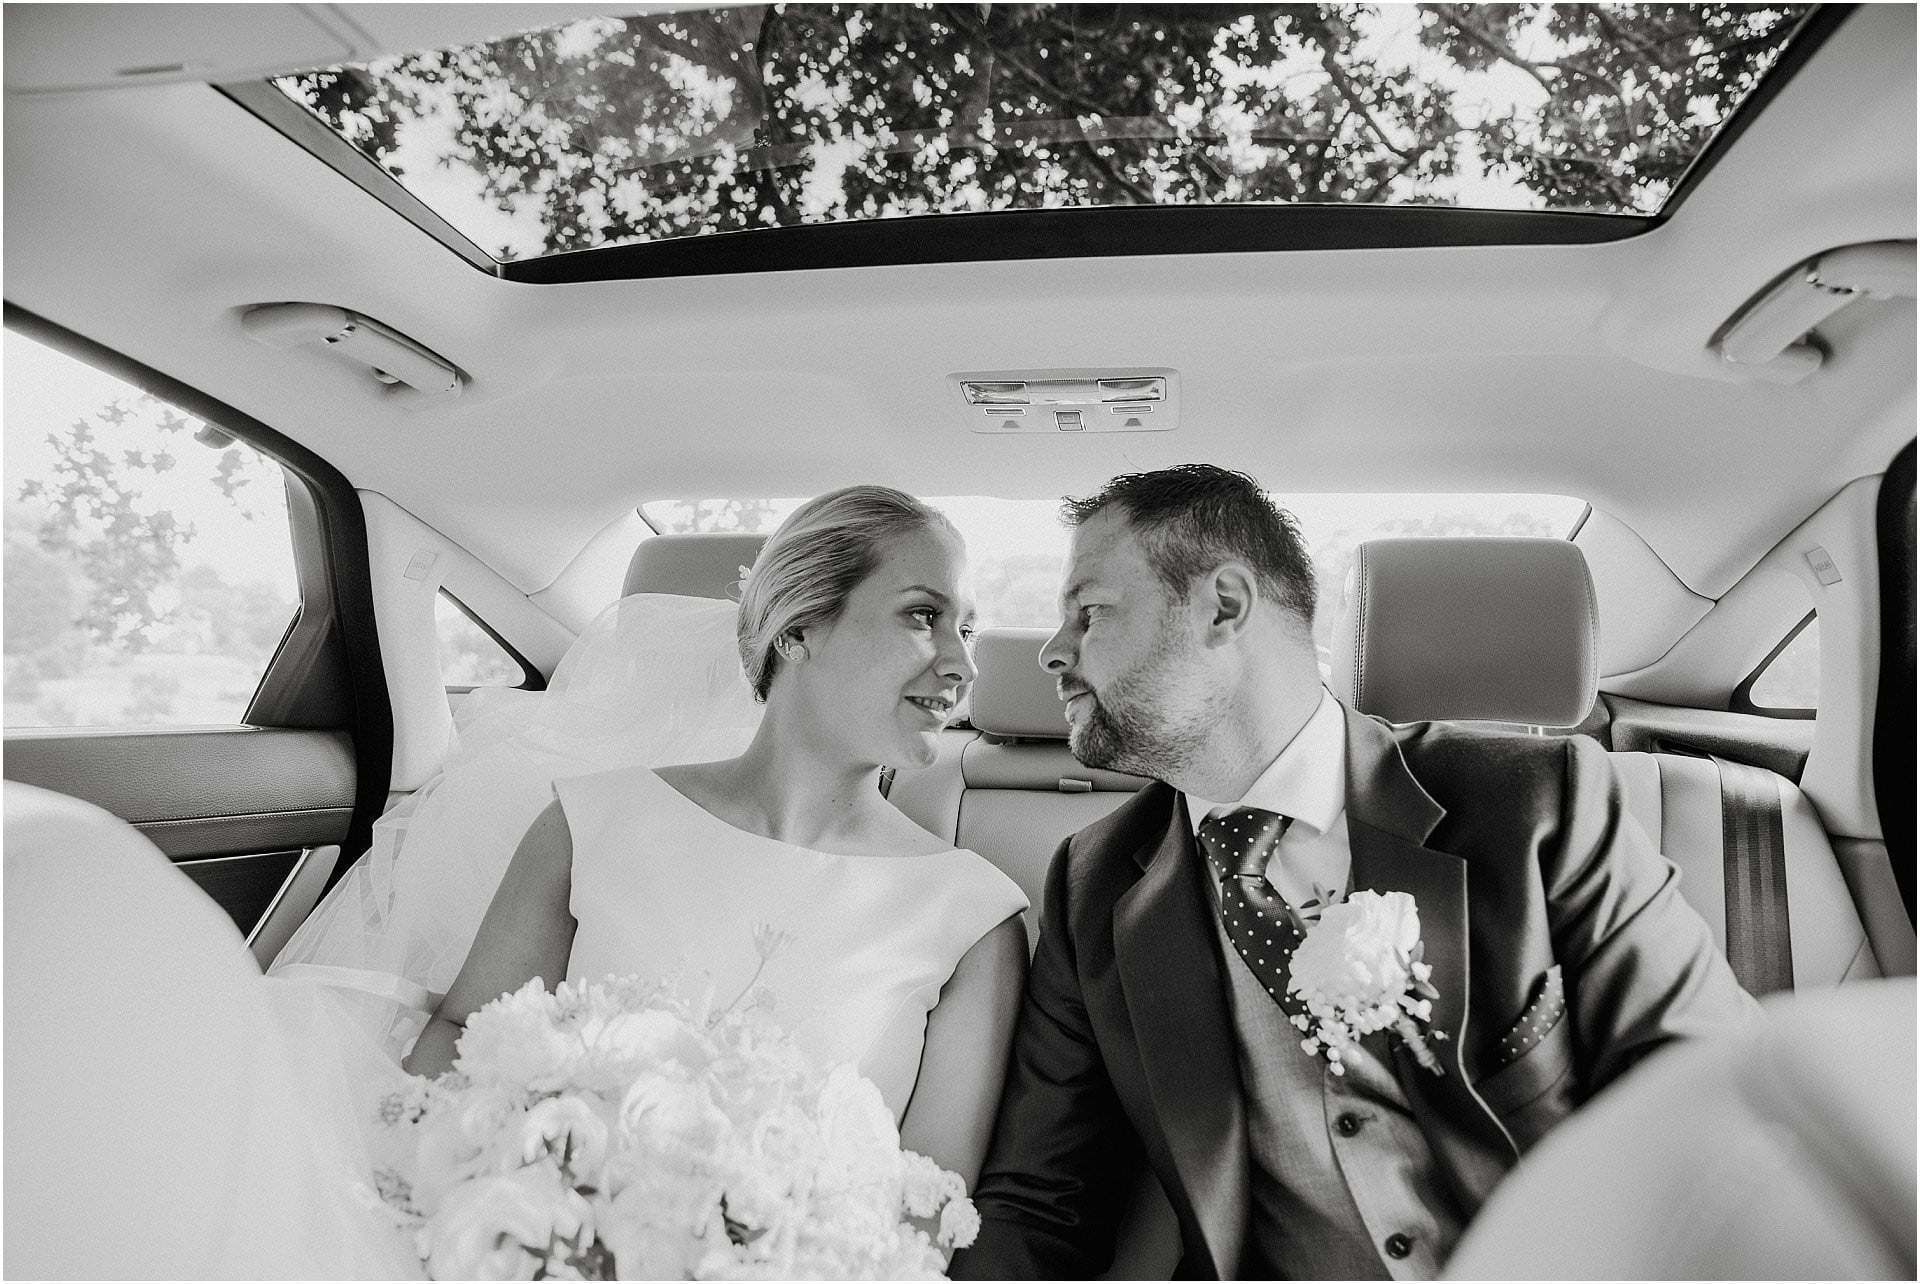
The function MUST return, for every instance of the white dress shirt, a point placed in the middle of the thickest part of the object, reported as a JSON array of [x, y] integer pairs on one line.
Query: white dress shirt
[[1308, 782]]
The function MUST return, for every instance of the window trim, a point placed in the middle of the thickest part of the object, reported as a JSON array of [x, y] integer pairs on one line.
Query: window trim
[[531, 679], [1741, 701], [334, 563], [1893, 739]]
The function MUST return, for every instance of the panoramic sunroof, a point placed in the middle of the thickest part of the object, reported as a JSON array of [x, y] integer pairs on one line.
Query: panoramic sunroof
[[612, 131]]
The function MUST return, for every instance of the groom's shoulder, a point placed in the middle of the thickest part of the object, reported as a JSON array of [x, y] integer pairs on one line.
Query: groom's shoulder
[[1118, 835], [1469, 767], [1100, 862]]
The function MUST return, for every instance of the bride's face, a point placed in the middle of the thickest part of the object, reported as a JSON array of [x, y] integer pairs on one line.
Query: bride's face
[[885, 676]]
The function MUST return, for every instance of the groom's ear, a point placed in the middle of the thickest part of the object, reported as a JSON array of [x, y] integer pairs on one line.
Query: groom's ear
[[1230, 592]]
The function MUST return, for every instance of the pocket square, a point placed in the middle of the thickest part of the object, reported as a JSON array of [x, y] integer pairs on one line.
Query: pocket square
[[1544, 1010]]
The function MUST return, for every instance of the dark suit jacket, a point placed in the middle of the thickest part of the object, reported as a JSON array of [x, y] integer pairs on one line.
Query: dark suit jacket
[[1518, 855]]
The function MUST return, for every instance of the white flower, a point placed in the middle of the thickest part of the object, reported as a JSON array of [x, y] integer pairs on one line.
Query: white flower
[[1359, 971], [648, 1038], [856, 1128], [569, 1129], [648, 1242], [959, 1224], [499, 1227], [1360, 951], [667, 1115], [457, 1140], [514, 1040]]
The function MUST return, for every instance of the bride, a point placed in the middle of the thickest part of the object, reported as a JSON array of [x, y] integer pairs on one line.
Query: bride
[[895, 951], [181, 1116]]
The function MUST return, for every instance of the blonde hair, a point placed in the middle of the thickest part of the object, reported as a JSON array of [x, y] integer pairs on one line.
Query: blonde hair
[[813, 562]]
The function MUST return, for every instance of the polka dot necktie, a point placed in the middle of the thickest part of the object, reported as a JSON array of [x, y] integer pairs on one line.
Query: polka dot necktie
[[1264, 931]]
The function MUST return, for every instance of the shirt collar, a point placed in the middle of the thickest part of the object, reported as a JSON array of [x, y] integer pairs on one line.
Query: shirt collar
[[1308, 781]]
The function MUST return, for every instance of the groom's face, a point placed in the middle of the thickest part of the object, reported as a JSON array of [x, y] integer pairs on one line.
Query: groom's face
[[1125, 659]]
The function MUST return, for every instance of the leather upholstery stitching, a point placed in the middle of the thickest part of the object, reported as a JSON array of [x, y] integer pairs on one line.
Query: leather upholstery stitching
[[1590, 665], [292, 813], [1360, 590]]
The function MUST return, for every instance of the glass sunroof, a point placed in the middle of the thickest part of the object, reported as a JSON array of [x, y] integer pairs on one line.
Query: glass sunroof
[[610, 131]]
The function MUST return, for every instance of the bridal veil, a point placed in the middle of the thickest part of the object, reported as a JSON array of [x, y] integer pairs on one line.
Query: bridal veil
[[655, 679]]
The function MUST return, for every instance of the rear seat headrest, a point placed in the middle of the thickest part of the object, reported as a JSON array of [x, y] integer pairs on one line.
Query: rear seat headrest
[[1014, 696], [703, 565], [1488, 629]]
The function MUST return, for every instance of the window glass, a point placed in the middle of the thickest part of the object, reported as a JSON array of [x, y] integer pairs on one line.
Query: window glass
[[653, 126], [469, 657], [149, 566], [1791, 679], [1017, 548]]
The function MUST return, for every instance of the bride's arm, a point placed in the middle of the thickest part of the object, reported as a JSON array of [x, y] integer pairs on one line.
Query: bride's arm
[[528, 932], [950, 1117]]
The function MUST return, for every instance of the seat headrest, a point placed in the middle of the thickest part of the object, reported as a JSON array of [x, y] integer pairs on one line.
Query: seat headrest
[[1014, 696], [1494, 629], [703, 565]]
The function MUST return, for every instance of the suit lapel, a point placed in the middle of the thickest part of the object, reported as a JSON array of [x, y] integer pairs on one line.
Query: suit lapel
[[1389, 817], [1175, 994]]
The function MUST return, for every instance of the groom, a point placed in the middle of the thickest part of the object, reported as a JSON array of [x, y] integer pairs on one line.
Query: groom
[[1158, 1028]]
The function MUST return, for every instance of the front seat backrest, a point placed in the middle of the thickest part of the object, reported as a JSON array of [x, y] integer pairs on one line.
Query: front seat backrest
[[700, 565], [161, 1094], [1504, 630], [1501, 630]]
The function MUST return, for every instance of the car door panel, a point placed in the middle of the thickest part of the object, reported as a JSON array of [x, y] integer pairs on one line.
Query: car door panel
[[237, 809]]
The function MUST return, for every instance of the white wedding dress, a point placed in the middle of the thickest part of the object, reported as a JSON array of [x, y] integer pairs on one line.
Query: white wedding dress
[[663, 888]]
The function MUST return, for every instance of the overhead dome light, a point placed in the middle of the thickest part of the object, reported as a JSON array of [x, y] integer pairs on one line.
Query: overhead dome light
[[1078, 401]]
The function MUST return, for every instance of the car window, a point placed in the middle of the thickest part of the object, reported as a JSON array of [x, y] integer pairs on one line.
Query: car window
[[1788, 681], [149, 573], [469, 655], [1017, 548]]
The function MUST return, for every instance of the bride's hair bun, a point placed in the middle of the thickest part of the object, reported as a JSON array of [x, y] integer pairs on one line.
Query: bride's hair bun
[[810, 565]]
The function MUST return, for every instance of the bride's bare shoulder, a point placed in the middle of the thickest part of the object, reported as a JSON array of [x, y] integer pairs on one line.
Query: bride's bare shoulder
[[698, 781], [895, 833]]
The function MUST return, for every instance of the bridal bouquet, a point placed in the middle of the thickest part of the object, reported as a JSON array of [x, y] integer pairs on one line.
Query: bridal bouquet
[[612, 1131]]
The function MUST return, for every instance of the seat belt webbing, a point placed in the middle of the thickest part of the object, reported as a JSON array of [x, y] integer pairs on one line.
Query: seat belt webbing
[[1754, 848]]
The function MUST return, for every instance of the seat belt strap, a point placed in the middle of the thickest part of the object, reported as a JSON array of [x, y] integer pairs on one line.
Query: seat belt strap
[[1753, 844]]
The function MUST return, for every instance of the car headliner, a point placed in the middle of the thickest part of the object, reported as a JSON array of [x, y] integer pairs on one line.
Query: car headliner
[[149, 217]]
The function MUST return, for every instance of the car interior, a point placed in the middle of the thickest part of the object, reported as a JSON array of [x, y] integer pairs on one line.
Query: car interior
[[481, 438]]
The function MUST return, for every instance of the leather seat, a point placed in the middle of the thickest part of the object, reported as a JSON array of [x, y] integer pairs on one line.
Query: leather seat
[[1505, 630], [168, 1108], [1785, 1153], [699, 565]]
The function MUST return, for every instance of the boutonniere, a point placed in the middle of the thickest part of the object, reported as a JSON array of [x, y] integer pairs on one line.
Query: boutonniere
[[1359, 970]]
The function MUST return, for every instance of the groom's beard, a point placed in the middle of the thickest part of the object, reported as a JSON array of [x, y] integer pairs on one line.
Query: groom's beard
[[1137, 723], [1128, 739]]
